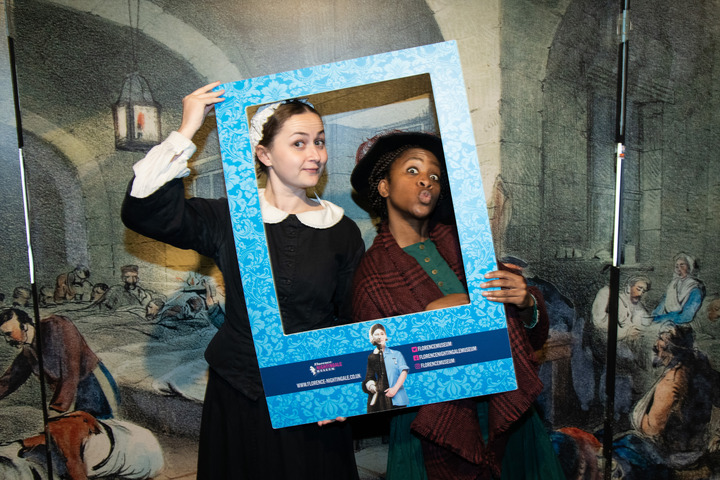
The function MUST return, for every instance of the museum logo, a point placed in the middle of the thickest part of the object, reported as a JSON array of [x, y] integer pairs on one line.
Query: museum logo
[[323, 367]]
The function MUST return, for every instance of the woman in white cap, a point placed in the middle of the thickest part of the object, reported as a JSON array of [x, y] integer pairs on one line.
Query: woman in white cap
[[314, 249], [684, 294]]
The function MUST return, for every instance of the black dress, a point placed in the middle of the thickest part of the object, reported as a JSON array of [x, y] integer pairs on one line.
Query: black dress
[[313, 270], [377, 402]]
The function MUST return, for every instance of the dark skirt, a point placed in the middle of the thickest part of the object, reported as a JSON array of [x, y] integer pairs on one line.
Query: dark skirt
[[237, 441], [377, 402]]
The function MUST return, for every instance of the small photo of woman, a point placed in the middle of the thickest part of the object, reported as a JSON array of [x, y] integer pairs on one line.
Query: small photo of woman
[[385, 367]]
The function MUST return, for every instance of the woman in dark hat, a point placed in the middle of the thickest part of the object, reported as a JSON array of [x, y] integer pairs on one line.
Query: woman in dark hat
[[414, 265]]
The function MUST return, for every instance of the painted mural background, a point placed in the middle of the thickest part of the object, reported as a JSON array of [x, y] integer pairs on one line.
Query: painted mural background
[[541, 80]]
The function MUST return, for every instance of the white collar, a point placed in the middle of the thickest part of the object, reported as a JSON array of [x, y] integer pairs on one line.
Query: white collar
[[329, 216]]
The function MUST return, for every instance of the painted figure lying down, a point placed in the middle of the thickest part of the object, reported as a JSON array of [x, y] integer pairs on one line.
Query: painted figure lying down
[[84, 448]]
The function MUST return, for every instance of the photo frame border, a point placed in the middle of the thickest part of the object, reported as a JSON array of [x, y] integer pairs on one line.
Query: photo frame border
[[289, 367]]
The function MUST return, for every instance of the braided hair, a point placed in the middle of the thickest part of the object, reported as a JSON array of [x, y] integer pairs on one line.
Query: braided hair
[[381, 171]]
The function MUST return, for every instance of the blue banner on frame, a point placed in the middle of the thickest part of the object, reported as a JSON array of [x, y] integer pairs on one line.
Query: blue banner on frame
[[424, 357], [461, 351]]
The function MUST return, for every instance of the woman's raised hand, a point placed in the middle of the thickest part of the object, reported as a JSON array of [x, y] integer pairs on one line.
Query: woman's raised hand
[[196, 106]]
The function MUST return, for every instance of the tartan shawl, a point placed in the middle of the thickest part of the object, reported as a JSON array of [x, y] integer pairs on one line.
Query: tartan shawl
[[389, 282]]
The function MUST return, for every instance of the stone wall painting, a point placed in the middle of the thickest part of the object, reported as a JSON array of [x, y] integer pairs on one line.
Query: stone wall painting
[[540, 79], [667, 249]]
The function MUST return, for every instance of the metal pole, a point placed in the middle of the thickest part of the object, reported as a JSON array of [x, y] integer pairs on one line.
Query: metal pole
[[31, 262], [621, 114]]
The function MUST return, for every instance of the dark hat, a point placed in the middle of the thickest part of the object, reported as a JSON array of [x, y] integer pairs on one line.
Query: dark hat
[[373, 149]]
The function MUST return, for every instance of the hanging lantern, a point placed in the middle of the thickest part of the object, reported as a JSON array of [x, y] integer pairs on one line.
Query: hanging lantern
[[136, 116]]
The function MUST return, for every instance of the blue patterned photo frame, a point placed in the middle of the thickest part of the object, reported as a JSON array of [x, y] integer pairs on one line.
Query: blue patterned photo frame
[[451, 353]]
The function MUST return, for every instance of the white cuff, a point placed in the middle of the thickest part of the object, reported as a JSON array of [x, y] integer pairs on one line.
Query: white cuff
[[162, 164]]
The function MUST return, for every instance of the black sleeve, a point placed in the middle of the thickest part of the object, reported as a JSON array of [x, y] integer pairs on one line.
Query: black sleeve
[[167, 216], [370, 374]]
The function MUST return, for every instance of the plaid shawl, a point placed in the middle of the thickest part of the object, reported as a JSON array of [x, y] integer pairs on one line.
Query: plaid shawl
[[389, 282]]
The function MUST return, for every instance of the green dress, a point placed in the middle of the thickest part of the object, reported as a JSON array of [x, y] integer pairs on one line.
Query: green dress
[[528, 439]]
